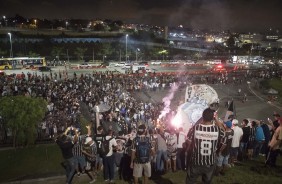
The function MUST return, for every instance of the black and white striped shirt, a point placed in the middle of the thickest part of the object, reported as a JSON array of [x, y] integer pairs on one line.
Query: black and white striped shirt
[[77, 148], [206, 139]]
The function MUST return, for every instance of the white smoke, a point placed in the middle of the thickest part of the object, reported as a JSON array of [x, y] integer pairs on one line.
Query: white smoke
[[167, 100]]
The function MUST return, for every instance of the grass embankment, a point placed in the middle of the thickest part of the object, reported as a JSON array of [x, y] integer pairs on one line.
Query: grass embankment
[[44, 160], [276, 84], [37, 161]]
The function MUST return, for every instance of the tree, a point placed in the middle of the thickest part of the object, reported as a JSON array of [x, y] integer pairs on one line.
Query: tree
[[57, 52], [163, 52], [99, 27], [107, 49], [21, 116], [197, 55], [33, 54], [79, 52], [230, 42], [3, 53]]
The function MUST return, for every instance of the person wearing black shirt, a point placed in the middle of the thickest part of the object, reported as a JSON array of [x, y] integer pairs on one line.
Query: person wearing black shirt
[[245, 138], [66, 144], [98, 138], [224, 151]]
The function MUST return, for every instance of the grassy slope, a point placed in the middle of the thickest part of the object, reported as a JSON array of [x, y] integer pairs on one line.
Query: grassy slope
[[44, 160], [277, 85], [30, 162]]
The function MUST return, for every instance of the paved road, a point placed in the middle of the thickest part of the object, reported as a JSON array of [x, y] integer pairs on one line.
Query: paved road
[[256, 106]]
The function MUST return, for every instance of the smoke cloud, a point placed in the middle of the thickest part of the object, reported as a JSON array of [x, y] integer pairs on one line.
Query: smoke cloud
[[167, 100]]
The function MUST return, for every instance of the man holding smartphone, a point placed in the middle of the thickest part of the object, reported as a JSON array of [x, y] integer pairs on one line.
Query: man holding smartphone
[[66, 144]]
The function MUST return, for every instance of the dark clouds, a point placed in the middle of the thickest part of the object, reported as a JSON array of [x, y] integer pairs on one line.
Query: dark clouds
[[217, 14]]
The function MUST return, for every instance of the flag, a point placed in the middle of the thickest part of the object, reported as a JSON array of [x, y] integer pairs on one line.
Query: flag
[[229, 112]]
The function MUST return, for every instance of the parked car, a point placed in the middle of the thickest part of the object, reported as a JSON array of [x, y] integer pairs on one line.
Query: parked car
[[84, 65], [126, 66], [156, 62], [150, 70], [120, 64], [44, 68], [144, 63]]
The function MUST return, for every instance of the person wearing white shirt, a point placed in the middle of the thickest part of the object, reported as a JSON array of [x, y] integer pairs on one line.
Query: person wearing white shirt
[[109, 159], [238, 134], [180, 154]]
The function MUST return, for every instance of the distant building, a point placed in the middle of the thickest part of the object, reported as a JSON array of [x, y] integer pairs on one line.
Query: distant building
[[250, 38]]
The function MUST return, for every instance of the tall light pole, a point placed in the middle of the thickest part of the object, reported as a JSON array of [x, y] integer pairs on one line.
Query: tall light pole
[[277, 45], [136, 52], [5, 20], [126, 47], [93, 56], [11, 44], [67, 24]]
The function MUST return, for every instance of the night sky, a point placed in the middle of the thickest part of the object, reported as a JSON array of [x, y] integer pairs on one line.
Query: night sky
[[246, 15]]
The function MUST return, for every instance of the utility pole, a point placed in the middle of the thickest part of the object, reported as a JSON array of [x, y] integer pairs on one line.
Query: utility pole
[[93, 57], [68, 59], [119, 55]]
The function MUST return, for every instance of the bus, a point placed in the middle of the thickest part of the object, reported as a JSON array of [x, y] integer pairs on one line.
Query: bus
[[26, 62], [5, 64]]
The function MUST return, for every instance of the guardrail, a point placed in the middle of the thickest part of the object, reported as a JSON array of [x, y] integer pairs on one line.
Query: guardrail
[[179, 64], [86, 67]]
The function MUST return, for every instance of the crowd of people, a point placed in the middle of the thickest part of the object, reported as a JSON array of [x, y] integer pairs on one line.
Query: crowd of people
[[209, 149], [138, 142]]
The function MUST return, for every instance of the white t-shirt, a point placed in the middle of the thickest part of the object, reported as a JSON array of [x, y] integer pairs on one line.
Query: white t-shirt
[[181, 139], [113, 142], [238, 133]]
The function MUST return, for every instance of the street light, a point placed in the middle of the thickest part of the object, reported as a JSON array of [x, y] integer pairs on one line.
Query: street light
[[5, 20], [67, 24], [35, 21], [104, 57], [137, 50], [277, 45], [11, 49], [126, 47]]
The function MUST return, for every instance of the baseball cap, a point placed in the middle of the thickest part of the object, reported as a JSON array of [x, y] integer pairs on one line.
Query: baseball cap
[[235, 122], [87, 140], [228, 124]]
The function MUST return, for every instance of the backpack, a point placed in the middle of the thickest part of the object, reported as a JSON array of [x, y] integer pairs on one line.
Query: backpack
[[103, 145], [143, 150]]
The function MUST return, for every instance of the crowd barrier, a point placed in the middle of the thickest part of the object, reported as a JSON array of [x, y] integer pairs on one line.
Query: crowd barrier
[[30, 68], [180, 64], [162, 65], [178, 73], [87, 67]]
